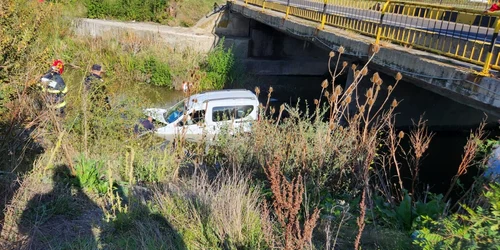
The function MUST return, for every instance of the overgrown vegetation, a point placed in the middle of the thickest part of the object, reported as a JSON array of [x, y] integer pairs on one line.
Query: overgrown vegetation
[[471, 229], [218, 68], [172, 12], [149, 10], [325, 178]]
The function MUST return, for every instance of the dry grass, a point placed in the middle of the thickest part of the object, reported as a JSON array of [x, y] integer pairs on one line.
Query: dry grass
[[188, 12], [420, 139], [225, 206]]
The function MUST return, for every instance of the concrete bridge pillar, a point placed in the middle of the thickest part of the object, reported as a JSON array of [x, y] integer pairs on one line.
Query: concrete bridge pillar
[[442, 113]]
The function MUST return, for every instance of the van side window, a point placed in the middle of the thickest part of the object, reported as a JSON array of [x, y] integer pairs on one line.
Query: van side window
[[231, 112], [198, 116]]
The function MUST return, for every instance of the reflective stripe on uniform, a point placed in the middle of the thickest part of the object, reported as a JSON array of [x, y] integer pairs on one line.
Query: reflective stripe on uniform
[[57, 105], [65, 90], [53, 91]]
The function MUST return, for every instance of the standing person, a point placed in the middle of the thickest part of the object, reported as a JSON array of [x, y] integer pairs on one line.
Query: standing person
[[54, 87], [494, 7], [95, 104], [95, 88]]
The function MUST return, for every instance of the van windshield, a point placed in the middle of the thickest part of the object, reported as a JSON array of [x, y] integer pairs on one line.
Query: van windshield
[[174, 112]]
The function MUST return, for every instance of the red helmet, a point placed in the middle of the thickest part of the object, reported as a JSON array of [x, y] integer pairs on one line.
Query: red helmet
[[58, 65]]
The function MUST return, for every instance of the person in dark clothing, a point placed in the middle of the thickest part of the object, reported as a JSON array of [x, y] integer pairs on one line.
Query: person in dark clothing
[[95, 88], [95, 75], [54, 87], [147, 124]]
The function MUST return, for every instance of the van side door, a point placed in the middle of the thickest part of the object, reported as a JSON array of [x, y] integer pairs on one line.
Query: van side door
[[192, 125], [232, 115]]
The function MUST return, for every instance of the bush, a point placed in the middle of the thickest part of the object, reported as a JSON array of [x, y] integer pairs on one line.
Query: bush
[[408, 212], [219, 214], [218, 67], [25, 24], [145, 10], [159, 72], [89, 175], [476, 229]]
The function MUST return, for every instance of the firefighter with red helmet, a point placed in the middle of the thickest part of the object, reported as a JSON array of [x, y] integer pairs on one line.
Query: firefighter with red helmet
[[54, 87]]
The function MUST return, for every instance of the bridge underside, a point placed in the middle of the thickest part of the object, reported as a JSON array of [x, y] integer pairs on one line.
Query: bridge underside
[[444, 76]]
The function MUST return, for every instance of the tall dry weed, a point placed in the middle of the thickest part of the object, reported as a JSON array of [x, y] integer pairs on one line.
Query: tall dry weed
[[420, 139], [471, 149], [287, 202]]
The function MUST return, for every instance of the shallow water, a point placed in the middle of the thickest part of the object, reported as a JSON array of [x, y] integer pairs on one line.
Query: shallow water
[[162, 97]]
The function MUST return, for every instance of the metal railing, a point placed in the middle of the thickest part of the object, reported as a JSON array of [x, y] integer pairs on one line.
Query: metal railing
[[476, 4], [465, 34]]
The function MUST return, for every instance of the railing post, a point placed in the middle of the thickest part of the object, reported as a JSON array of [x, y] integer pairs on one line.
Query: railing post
[[489, 56], [246, 2], [323, 17], [263, 5], [379, 28], [287, 9]]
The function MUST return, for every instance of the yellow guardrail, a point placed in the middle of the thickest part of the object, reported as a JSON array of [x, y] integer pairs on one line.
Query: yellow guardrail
[[464, 33], [476, 4]]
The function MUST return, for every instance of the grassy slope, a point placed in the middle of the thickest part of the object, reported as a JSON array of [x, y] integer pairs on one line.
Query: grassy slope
[[183, 13], [190, 11], [67, 213]]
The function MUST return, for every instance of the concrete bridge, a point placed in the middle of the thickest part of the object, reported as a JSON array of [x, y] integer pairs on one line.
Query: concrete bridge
[[258, 29]]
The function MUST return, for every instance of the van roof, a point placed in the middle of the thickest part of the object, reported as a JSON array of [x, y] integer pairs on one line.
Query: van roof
[[223, 94]]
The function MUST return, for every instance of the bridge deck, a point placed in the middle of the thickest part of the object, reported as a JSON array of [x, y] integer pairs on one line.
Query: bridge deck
[[440, 74]]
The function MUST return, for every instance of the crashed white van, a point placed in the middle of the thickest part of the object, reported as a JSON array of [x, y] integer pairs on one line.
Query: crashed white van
[[207, 114]]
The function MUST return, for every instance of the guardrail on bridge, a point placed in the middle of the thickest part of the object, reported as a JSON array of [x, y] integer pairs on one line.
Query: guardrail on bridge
[[465, 34]]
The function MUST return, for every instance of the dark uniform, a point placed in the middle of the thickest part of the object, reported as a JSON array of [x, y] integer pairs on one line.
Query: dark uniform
[[53, 85], [145, 125], [96, 102], [95, 88]]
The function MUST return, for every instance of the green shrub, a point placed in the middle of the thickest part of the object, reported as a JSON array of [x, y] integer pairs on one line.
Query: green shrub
[[89, 175], [145, 10], [475, 229], [407, 213], [24, 25], [218, 67], [159, 72]]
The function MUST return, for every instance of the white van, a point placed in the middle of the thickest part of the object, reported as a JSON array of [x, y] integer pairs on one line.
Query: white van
[[206, 114]]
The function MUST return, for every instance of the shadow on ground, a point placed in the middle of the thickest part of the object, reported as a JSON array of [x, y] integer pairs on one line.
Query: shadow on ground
[[67, 218], [18, 152]]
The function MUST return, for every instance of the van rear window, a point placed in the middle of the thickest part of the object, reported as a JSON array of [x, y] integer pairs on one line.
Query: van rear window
[[231, 112]]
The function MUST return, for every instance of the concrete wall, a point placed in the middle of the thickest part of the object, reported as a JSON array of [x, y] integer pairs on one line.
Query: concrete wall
[[177, 38], [232, 25]]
